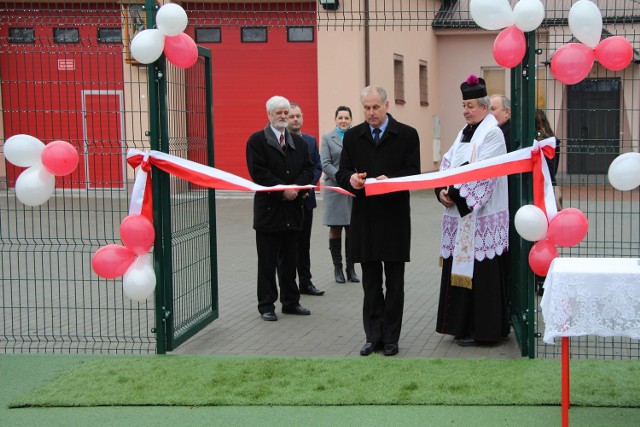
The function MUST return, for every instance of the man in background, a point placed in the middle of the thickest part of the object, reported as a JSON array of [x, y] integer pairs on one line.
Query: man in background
[[296, 121], [275, 156], [501, 110]]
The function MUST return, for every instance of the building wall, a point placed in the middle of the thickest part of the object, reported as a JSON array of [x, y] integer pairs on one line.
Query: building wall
[[341, 82], [460, 54]]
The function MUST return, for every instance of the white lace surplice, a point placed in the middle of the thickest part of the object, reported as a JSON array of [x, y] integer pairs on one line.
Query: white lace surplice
[[592, 296]]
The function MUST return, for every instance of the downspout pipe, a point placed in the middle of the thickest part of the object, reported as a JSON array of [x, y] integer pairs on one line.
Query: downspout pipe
[[367, 46]]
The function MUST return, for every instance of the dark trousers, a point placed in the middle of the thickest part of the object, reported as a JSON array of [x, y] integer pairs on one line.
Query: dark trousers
[[304, 246], [382, 311], [277, 256]]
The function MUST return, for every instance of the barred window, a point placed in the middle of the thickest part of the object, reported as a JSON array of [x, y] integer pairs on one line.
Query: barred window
[[300, 34], [22, 35], [109, 35], [66, 35], [424, 86], [398, 78], [208, 35], [254, 35]]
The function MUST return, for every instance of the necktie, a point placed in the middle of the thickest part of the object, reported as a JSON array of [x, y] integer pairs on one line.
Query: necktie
[[282, 140], [376, 136]]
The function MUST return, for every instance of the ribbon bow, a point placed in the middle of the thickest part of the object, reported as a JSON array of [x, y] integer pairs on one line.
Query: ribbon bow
[[543, 196]]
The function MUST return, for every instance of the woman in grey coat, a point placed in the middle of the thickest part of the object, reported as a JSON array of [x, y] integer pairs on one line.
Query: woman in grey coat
[[337, 207]]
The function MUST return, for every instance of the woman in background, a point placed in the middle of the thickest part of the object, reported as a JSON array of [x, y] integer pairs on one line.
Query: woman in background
[[337, 207], [543, 130]]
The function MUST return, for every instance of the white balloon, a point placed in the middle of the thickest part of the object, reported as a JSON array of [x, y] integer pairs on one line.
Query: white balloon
[[171, 19], [35, 186], [147, 46], [491, 14], [585, 22], [624, 171], [528, 14], [139, 281], [23, 150], [531, 223]]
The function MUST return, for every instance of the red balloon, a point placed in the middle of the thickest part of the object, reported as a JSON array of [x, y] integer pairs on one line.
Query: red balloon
[[572, 62], [614, 53], [112, 261], [137, 233], [181, 50], [568, 227], [540, 257], [59, 158], [509, 47]]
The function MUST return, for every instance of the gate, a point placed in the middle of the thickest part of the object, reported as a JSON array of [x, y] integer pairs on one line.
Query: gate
[[184, 214], [74, 86]]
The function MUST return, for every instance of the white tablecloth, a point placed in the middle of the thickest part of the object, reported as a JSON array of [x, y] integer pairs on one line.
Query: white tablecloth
[[592, 296]]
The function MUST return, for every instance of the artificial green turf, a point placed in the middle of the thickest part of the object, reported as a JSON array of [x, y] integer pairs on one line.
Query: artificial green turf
[[375, 380]]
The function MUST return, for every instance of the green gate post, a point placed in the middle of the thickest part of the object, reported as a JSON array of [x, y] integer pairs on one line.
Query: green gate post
[[156, 85], [520, 193]]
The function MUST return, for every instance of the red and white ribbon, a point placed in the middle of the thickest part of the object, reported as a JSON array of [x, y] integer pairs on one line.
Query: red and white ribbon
[[528, 159], [196, 173]]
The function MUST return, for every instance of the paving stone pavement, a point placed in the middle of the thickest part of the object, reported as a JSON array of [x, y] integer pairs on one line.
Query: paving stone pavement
[[334, 327]]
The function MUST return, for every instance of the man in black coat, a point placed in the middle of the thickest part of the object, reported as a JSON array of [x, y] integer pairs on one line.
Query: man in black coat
[[296, 121], [380, 148], [275, 156]]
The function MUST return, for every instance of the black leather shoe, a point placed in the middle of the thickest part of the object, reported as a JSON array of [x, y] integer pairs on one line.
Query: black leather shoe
[[298, 309], [369, 348], [310, 290], [466, 342], [269, 316], [390, 349], [338, 274]]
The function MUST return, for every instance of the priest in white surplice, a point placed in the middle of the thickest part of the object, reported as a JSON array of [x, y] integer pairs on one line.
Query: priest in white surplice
[[473, 303]]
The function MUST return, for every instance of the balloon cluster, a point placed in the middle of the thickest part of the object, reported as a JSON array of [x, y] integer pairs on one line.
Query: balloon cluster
[[624, 171], [510, 45], [572, 62], [567, 228], [132, 261], [37, 183], [169, 37]]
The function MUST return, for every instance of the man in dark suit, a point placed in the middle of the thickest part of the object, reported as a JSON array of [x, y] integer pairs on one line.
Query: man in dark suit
[[275, 156], [501, 110], [380, 148], [296, 121]]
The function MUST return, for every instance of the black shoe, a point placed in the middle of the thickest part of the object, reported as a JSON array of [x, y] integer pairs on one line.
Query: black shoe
[[298, 309], [390, 349], [339, 275], [310, 290], [369, 348], [351, 274], [269, 316], [466, 342]]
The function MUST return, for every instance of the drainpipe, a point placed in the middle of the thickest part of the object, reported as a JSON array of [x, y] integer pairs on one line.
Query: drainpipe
[[367, 56]]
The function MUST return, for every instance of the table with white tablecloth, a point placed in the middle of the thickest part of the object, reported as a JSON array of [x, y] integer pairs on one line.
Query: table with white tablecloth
[[590, 296]]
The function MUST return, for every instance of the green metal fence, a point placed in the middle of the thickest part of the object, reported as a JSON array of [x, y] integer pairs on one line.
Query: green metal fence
[[78, 90], [596, 120], [51, 300]]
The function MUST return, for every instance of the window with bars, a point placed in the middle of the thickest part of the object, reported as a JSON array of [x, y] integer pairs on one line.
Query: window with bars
[[254, 35], [66, 35], [208, 35], [22, 35], [398, 78], [423, 76]]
